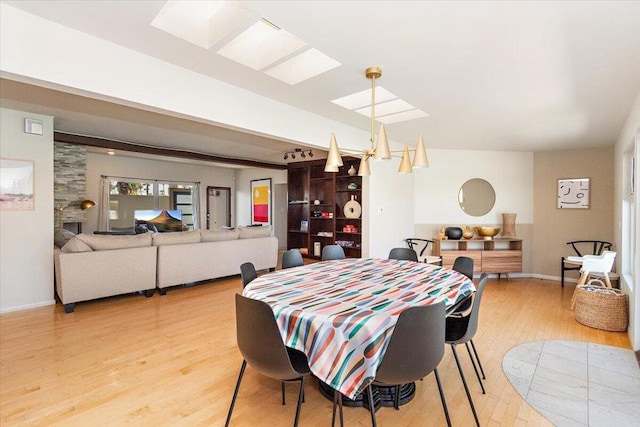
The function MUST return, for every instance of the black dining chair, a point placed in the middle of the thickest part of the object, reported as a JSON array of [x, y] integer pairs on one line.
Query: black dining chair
[[247, 273], [460, 329], [292, 258], [262, 348], [414, 351], [403, 254], [330, 252], [464, 265]]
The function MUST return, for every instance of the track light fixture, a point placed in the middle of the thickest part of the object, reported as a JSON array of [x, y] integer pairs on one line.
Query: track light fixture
[[299, 151]]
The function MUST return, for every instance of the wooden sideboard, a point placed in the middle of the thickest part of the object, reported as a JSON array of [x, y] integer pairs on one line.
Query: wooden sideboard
[[499, 255]]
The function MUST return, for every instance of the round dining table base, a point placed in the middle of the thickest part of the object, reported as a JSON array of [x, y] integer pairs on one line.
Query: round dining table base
[[382, 395]]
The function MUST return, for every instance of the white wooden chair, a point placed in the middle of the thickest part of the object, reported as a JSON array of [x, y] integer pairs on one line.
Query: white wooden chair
[[598, 266]]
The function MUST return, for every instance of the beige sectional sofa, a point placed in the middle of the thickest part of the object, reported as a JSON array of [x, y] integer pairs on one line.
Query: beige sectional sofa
[[92, 266]]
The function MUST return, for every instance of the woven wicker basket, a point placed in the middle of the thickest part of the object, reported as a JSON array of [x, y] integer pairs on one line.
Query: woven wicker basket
[[601, 308]]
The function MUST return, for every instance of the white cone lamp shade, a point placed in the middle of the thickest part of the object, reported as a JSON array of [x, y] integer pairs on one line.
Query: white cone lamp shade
[[364, 169], [334, 160], [405, 163], [382, 149], [420, 159]]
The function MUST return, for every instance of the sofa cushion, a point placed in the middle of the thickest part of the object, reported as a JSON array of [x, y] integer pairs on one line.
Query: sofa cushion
[[76, 245], [254, 232], [61, 237], [219, 235], [100, 242], [176, 238]]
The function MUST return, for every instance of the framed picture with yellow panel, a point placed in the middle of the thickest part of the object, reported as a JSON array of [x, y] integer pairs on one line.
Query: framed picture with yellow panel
[[261, 201]]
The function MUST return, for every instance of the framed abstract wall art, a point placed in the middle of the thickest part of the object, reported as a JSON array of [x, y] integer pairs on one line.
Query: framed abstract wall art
[[261, 201], [573, 193], [16, 185]]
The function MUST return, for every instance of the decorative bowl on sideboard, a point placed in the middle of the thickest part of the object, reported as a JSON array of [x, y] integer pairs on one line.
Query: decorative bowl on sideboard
[[487, 233]]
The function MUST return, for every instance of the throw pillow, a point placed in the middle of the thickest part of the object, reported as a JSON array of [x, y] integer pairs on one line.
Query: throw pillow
[[176, 238], [254, 232], [76, 245], [61, 237], [219, 235]]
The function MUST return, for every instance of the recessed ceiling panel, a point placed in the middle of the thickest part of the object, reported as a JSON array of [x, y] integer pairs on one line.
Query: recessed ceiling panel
[[302, 67], [261, 45]]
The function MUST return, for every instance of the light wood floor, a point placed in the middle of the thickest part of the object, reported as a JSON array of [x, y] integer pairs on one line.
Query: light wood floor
[[172, 360]]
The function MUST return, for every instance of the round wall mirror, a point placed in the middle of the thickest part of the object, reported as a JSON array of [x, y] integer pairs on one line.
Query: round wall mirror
[[476, 197]]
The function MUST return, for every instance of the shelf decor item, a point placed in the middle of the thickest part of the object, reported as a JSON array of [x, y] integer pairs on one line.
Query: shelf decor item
[[487, 233], [467, 233], [352, 208], [509, 225], [352, 171], [453, 233]]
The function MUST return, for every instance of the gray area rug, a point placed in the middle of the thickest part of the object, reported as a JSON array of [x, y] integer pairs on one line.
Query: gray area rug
[[575, 383]]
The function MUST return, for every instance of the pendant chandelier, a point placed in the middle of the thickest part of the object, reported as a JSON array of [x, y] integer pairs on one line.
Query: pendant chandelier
[[379, 151]]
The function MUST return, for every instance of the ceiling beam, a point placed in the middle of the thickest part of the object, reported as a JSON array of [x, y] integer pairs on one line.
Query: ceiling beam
[[110, 144]]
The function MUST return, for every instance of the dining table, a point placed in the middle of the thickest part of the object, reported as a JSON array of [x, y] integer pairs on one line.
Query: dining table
[[341, 313]]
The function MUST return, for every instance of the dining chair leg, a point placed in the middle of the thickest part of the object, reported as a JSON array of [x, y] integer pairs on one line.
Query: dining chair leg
[[396, 400], [337, 399], [235, 393], [372, 408], [295, 423], [464, 383], [444, 401], [475, 368], [475, 352]]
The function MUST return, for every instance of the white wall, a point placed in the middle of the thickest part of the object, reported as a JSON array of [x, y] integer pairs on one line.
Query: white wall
[[139, 167], [436, 188], [26, 237], [387, 206], [629, 255]]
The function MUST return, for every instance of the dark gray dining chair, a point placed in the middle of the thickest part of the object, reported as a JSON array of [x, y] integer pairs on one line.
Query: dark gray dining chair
[[262, 348], [403, 254], [330, 252], [292, 258], [247, 273], [464, 265], [460, 329], [414, 351]]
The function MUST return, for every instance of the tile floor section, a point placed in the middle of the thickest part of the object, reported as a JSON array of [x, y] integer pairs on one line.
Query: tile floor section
[[577, 383]]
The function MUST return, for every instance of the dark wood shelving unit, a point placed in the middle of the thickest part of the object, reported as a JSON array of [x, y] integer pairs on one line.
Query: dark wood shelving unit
[[307, 183]]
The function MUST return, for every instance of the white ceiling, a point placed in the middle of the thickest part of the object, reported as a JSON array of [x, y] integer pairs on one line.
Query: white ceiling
[[501, 75]]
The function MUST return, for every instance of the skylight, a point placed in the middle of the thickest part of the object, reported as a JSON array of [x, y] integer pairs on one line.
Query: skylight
[[261, 45], [202, 23], [389, 108], [302, 67]]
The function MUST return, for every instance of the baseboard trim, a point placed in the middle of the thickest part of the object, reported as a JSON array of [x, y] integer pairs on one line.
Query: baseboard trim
[[27, 306]]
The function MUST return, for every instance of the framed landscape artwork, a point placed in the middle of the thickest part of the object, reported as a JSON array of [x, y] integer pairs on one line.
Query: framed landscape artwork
[[16, 185], [573, 193], [261, 201]]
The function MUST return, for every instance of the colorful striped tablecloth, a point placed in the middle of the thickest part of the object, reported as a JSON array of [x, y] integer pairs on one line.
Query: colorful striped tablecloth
[[342, 313]]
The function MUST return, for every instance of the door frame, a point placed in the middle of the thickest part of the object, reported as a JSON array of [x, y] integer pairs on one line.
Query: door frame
[[208, 215]]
